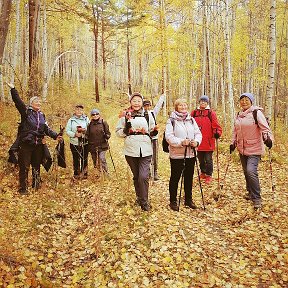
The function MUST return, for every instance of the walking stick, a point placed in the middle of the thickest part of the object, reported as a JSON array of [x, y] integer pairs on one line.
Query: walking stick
[[216, 196], [226, 170], [198, 172], [271, 175], [112, 161], [152, 165], [182, 177]]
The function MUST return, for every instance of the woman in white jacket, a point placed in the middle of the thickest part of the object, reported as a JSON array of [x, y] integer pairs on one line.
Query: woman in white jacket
[[137, 127], [183, 135]]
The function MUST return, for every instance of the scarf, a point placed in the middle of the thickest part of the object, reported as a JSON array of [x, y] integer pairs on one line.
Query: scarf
[[180, 115]]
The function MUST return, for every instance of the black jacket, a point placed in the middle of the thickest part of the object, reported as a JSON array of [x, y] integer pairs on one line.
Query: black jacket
[[33, 126], [98, 134]]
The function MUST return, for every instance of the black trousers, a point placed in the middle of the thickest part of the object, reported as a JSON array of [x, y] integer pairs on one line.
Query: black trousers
[[177, 166], [80, 159], [140, 167], [206, 162], [29, 154]]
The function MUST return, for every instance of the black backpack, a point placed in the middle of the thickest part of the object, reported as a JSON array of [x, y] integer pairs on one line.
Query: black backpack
[[209, 115], [255, 116], [165, 145]]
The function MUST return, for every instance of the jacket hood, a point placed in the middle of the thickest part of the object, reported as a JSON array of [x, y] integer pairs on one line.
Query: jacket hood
[[82, 117]]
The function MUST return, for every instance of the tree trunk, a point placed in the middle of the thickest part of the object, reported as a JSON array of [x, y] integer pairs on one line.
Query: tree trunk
[[272, 59], [45, 56], [229, 66], [4, 25], [15, 55], [164, 57], [34, 6], [128, 59], [96, 34], [104, 60]]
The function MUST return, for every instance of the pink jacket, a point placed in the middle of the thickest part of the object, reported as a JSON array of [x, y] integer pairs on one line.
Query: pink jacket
[[247, 135]]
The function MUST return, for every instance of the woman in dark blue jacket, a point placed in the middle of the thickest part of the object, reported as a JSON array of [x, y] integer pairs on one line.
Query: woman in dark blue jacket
[[32, 129]]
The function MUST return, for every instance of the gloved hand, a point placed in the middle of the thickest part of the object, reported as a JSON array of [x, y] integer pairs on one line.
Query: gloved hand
[[232, 148], [268, 142], [127, 127], [153, 133], [216, 135]]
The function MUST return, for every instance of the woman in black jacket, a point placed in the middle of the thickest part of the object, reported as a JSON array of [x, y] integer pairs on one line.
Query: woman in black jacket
[[31, 132], [98, 134]]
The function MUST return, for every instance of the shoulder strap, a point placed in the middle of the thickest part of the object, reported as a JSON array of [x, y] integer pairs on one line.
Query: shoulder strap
[[153, 117], [210, 115], [255, 116], [104, 131]]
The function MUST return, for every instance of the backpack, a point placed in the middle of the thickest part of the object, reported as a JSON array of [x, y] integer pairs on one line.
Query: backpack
[[209, 115], [255, 117], [165, 144]]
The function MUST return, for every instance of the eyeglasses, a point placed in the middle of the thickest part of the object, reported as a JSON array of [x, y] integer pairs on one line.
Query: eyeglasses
[[95, 114]]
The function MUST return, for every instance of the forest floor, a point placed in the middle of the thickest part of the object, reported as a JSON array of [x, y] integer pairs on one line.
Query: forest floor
[[89, 233]]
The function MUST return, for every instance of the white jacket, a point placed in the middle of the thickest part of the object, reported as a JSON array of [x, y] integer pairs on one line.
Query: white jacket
[[137, 145], [187, 129]]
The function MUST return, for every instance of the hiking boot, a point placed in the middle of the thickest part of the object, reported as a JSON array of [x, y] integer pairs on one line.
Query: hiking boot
[[173, 205], [257, 205], [247, 197], [146, 207], [23, 191], [137, 202], [202, 176], [190, 204], [208, 179], [156, 177]]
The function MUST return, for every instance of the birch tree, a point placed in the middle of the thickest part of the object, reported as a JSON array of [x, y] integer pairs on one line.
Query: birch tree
[[5, 10], [272, 59]]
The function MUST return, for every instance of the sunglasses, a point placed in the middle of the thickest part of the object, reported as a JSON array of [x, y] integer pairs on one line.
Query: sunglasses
[[95, 114]]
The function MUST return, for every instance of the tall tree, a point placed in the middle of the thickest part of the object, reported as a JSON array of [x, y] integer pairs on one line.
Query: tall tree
[[272, 60], [5, 10], [34, 87]]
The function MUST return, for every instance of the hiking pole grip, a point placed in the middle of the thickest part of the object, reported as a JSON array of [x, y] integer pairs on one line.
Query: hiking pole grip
[[199, 180]]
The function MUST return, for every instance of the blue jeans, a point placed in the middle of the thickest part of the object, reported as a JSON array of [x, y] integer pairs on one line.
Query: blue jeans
[[250, 169]]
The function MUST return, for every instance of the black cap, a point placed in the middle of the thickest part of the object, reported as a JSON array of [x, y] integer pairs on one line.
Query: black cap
[[146, 102], [79, 106]]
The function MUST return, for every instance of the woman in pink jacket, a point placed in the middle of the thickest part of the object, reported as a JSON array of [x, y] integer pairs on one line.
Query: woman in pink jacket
[[249, 137]]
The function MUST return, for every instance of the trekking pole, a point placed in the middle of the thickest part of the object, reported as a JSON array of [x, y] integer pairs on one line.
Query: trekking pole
[[182, 177], [215, 196], [152, 165], [226, 170], [198, 172], [112, 161], [271, 175]]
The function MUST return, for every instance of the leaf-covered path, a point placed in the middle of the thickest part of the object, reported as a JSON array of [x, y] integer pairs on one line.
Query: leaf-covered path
[[90, 235]]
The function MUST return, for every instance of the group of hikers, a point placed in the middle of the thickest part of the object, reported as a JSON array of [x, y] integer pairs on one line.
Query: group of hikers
[[188, 135]]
